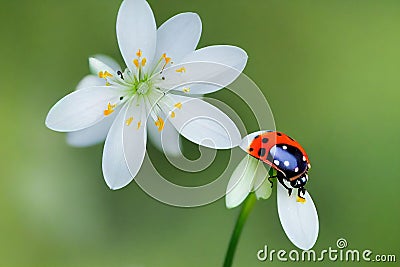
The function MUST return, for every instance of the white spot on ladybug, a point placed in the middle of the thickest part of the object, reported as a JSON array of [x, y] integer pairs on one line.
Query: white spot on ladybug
[[284, 147], [276, 162], [296, 169], [286, 163], [304, 158]]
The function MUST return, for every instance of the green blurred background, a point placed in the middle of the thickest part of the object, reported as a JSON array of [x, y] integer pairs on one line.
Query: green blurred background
[[330, 70]]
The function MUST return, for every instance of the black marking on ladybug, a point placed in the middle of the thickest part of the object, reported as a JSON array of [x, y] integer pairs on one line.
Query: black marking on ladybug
[[257, 136], [265, 140], [270, 158], [251, 149], [290, 138], [261, 152], [278, 134]]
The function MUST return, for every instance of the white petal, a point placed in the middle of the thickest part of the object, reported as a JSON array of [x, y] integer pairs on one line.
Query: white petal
[[262, 186], [202, 123], [246, 141], [90, 81], [115, 170], [135, 136], [82, 108], [92, 135], [206, 70], [97, 65], [241, 182], [179, 36], [124, 148], [299, 220], [232, 56], [136, 29], [167, 140], [106, 60], [97, 133]]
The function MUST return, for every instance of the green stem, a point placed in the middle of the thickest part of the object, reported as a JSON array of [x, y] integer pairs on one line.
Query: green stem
[[248, 205]]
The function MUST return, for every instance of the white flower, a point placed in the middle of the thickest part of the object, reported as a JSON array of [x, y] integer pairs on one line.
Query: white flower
[[299, 219], [163, 66], [98, 132]]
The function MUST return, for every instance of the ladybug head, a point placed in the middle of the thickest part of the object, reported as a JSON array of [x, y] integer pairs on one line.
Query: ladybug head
[[300, 182]]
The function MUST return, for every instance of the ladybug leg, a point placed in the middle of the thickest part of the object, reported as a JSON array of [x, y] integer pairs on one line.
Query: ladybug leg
[[271, 175], [270, 180], [280, 179], [301, 191]]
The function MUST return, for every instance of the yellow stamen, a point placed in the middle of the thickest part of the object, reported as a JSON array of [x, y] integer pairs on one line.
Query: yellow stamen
[[108, 84], [144, 60], [167, 60], [136, 62], [160, 124], [110, 109], [178, 105], [181, 70], [129, 121], [138, 125], [139, 53], [172, 114], [301, 200], [186, 90], [104, 74]]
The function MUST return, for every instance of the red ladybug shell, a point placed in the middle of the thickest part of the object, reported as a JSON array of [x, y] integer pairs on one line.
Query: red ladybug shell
[[261, 145]]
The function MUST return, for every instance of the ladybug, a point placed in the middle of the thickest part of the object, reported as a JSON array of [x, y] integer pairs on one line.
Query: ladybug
[[286, 156]]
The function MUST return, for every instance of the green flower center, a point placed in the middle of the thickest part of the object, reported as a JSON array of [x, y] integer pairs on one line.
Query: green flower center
[[143, 87]]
